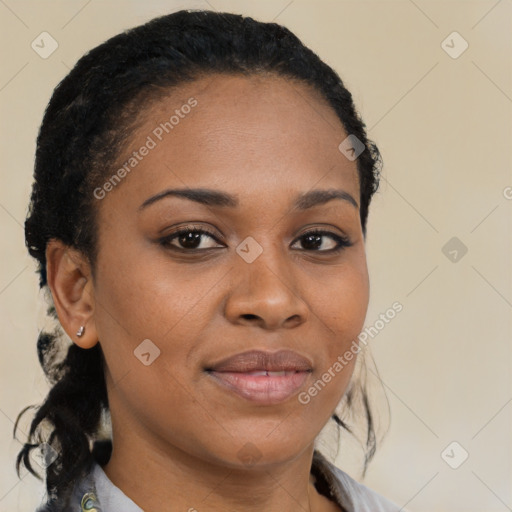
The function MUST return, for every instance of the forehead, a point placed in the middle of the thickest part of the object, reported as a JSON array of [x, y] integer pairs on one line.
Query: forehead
[[239, 133]]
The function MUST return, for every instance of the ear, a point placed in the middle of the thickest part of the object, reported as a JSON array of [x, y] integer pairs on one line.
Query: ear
[[70, 282]]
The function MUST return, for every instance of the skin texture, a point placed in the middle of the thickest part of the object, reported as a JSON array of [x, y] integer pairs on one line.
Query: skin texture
[[177, 434]]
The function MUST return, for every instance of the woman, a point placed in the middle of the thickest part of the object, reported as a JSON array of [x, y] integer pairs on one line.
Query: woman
[[202, 185]]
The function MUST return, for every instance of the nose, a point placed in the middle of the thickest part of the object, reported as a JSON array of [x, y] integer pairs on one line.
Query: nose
[[265, 294]]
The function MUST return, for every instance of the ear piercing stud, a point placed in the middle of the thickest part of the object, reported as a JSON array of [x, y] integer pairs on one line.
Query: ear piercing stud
[[80, 331]]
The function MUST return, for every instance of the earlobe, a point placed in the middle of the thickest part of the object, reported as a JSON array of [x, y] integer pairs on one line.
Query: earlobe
[[70, 283]]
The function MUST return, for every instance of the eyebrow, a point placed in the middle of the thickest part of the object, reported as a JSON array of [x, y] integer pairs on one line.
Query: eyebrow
[[211, 197]]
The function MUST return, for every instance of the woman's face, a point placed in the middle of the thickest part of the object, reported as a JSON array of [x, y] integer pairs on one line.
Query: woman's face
[[169, 308]]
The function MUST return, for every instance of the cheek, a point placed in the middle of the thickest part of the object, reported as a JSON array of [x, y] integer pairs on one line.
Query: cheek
[[142, 298], [150, 301], [342, 302], [340, 306], [146, 296]]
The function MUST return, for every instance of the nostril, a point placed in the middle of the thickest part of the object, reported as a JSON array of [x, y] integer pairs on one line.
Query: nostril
[[249, 316], [295, 319]]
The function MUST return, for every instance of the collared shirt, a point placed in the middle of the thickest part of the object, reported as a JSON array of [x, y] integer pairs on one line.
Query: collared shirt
[[96, 493]]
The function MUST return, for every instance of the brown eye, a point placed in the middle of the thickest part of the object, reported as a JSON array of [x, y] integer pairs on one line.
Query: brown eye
[[323, 241], [191, 239]]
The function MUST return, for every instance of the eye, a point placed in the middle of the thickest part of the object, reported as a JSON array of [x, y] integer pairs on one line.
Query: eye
[[190, 238], [320, 240]]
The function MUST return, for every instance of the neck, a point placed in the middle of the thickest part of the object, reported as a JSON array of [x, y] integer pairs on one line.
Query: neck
[[170, 479]]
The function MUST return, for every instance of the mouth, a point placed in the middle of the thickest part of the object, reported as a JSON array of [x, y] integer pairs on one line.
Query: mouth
[[262, 377]]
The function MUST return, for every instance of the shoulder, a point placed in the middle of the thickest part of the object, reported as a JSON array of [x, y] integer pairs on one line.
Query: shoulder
[[98, 494], [80, 498], [93, 493], [349, 493]]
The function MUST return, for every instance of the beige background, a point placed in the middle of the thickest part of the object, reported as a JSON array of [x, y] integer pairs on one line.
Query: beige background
[[444, 128]]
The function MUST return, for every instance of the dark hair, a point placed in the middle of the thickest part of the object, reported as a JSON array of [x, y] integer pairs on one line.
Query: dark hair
[[91, 114]]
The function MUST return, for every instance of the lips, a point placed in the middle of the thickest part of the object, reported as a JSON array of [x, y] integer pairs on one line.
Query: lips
[[259, 361], [262, 377]]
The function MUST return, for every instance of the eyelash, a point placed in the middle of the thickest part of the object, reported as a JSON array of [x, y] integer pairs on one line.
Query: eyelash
[[342, 241]]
